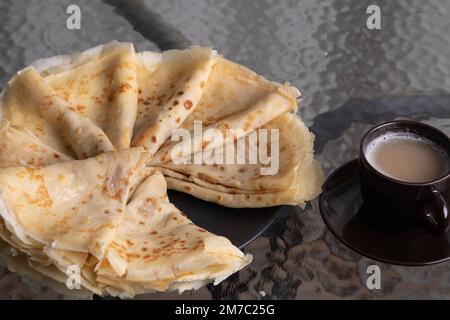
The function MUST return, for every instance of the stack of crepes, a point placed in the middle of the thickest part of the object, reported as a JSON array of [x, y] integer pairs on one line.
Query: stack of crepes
[[85, 154]]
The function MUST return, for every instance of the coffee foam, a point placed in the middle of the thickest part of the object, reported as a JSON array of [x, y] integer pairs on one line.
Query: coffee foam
[[390, 137]]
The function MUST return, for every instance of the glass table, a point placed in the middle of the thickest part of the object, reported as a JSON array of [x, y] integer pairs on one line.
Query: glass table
[[350, 77]]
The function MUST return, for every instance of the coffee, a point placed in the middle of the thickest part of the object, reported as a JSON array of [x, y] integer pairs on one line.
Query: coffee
[[407, 157]]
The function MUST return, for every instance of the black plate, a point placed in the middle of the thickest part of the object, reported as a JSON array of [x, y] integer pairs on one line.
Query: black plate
[[241, 226], [342, 210]]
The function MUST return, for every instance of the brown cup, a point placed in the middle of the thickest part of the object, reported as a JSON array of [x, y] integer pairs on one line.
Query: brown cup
[[396, 205]]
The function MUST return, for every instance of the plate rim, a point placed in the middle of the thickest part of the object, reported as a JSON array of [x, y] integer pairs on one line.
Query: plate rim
[[276, 213]]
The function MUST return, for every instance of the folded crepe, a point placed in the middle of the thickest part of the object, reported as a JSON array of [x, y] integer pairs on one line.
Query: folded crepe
[[234, 98], [101, 84], [73, 205], [22, 148], [296, 178], [19, 264], [74, 106], [157, 248], [30, 104], [237, 100], [86, 156], [107, 97], [170, 87], [81, 213], [62, 214]]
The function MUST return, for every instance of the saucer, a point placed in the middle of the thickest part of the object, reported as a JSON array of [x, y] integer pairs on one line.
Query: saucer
[[342, 210]]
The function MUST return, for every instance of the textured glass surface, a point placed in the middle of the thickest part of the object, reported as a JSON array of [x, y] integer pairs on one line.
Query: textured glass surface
[[351, 78]]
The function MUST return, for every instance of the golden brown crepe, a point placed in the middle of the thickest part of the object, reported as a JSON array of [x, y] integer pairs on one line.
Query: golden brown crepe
[[235, 97], [22, 147], [101, 84], [80, 213], [170, 84], [31, 104], [157, 248], [73, 205], [298, 177], [86, 157]]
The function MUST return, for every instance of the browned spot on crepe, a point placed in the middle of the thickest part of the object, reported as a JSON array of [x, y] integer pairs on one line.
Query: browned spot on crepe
[[188, 104]]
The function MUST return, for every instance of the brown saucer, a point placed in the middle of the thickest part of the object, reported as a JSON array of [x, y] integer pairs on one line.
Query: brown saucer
[[342, 210]]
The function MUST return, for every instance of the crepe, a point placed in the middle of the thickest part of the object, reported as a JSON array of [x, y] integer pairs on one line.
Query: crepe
[[297, 194], [239, 101], [24, 148], [18, 263], [157, 248], [101, 84], [123, 244], [296, 179], [31, 104], [234, 98], [87, 145], [65, 213], [74, 205], [170, 84]]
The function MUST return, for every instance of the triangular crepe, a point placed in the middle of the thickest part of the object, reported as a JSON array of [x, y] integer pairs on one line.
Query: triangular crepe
[[81, 213], [297, 178], [157, 248], [306, 187], [234, 98], [22, 148], [74, 205], [101, 84], [170, 86], [31, 105]]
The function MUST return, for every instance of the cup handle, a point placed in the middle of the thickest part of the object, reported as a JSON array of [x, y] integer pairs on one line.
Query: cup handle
[[437, 213]]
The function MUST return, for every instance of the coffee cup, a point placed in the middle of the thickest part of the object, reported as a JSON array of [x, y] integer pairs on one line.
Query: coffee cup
[[405, 176]]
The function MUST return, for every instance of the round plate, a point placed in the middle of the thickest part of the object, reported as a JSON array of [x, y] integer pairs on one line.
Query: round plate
[[342, 210], [240, 226]]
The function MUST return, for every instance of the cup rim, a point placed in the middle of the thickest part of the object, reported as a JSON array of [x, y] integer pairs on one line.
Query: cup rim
[[363, 157]]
